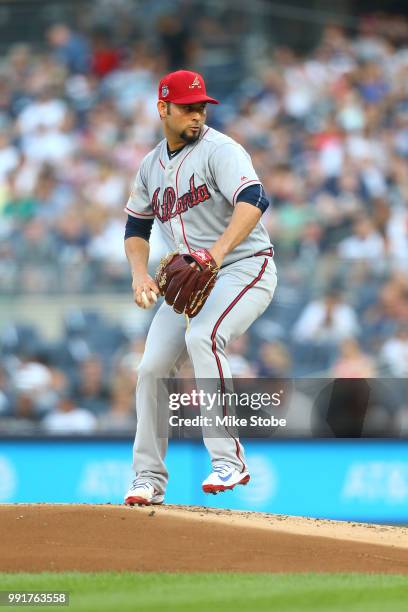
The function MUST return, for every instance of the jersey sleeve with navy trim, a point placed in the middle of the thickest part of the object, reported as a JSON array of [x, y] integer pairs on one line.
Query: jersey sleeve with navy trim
[[255, 195], [138, 228], [232, 170], [138, 204]]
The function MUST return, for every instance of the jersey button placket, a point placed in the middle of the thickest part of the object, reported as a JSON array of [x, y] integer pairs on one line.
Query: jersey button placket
[[174, 222]]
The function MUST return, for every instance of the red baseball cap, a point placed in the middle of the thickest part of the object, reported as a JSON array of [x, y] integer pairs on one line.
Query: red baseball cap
[[184, 87]]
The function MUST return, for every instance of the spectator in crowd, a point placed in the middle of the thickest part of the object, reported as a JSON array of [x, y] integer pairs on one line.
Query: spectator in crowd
[[69, 418], [176, 40], [394, 353], [25, 416], [92, 391], [5, 395], [274, 360], [71, 49], [46, 110], [9, 156], [352, 362], [364, 243], [327, 320], [395, 295], [37, 385], [105, 57], [121, 416]]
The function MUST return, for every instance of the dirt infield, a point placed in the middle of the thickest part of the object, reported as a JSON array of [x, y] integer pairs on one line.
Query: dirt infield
[[41, 537]]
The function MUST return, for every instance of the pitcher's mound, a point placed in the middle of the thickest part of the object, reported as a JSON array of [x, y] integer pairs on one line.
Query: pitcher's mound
[[42, 537]]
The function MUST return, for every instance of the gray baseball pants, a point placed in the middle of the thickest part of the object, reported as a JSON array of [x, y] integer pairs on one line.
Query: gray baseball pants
[[242, 292]]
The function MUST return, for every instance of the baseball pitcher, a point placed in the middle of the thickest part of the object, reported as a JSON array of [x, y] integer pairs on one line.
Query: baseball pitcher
[[199, 186]]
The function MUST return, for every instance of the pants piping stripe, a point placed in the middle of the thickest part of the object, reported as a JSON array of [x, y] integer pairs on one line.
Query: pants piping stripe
[[214, 347]]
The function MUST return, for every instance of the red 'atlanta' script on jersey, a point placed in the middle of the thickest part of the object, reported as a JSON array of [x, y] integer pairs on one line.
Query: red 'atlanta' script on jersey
[[170, 206]]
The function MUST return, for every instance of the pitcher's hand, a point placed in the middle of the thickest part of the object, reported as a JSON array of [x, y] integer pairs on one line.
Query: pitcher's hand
[[145, 290]]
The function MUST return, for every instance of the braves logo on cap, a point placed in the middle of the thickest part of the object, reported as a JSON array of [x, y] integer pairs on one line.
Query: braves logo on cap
[[195, 83], [184, 87]]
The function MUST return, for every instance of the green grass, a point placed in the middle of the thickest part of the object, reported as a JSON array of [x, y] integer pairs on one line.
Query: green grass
[[122, 592]]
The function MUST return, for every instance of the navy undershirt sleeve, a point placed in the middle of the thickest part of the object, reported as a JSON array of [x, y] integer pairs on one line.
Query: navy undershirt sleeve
[[254, 194], [141, 228]]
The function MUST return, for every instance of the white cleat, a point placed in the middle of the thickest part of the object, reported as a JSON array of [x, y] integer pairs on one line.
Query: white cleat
[[142, 495], [224, 478]]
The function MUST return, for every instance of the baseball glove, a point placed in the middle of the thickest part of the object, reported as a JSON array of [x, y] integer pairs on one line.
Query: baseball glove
[[187, 287]]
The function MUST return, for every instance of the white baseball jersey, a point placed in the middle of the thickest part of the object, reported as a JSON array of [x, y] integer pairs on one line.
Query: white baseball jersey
[[192, 196]]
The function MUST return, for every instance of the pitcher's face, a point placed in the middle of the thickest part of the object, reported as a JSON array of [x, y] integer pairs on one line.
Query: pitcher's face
[[182, 122]]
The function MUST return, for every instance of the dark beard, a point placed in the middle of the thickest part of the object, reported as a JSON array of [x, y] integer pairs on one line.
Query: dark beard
[[190, 139]]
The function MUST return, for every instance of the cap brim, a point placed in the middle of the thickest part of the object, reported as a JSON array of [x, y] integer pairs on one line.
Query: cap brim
[[192, 100]]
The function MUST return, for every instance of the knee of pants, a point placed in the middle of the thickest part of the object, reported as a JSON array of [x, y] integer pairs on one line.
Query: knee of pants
[[154, 367], [199, 339]]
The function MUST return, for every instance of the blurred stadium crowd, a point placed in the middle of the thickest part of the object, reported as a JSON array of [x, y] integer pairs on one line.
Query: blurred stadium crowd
[[328, 134]]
